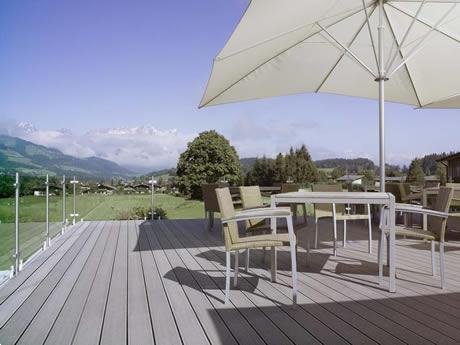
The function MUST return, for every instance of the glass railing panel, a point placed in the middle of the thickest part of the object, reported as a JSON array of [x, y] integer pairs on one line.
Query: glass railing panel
[[32, 213], [7, 225]]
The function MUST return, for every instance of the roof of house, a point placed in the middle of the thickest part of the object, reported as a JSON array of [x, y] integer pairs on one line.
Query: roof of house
[[393, 178], [350, 177], [449, 157]]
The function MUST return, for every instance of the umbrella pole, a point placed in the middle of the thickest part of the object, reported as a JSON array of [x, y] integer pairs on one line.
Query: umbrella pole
[[381, 79]]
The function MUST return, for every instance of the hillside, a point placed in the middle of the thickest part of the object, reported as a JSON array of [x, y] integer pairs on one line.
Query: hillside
[[353, 165], [31, 159]]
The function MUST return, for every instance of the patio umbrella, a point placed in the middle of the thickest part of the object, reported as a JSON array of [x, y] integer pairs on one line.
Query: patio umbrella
[[405, 51]]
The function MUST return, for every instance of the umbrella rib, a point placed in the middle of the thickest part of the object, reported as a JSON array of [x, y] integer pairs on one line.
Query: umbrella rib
[[406, 34], [343, 54], [426, 23], [417, 48], [370, 33], [360, 62], [275, 56], [402, 56]]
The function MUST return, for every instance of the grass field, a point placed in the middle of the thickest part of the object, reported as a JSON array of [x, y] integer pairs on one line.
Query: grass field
[[89, 207]]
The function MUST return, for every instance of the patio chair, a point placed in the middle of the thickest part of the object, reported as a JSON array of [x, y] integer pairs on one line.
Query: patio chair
[[251, 198], [338, 212], [235, 243], [210, 201], [437, 220]]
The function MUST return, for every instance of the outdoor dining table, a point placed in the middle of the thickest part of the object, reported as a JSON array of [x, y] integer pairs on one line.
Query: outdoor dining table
[[379, 198]]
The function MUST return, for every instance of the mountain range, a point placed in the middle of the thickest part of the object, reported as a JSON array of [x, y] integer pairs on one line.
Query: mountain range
[[31, 159]]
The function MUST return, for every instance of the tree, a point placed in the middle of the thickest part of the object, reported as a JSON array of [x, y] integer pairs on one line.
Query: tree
[[305, 169], [369, 176], [337, 172], [290, 164], [415, 174], [208, 159], [280, 169], [7, 186], [441, 173]]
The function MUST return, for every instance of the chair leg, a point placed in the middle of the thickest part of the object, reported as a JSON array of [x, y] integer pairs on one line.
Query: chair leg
[[305, 216], [264, 254], [380, 255], [273, 264], [237, 266], [293, 260], [344, 233], [316, 233], [441, 264], [334, 221], [369, 223], [227, 277], [433, 264], [247, 260]]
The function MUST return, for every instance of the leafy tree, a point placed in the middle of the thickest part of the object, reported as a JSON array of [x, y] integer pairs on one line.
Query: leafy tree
[[280, 168], [7, 186], [415, 174], [369, 176], [441, 173], [208, 159], [337, 172]]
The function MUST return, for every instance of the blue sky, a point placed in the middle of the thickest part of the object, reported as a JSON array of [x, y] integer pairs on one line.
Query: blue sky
[[92, 66]]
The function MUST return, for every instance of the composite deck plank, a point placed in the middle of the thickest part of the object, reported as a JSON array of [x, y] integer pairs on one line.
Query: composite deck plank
[[413, 307], [215, 328], [27, 287], [19, 321], [14, 283], [274, 325], [139, 322], [319, 322], [40, 326], [208, 285], [92, 318], [66, 323], [77, 291], [164, 325], [187, 322], [114, 329]]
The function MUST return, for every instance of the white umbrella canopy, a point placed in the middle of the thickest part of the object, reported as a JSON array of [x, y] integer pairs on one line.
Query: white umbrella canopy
[[282, 47]]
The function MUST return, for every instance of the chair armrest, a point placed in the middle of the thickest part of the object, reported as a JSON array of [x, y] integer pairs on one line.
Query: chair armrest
[[255, 207], [272, 212], [420, 210]]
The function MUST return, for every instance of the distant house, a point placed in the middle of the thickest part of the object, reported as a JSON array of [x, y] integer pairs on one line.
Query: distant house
[[105, 189], [353, 179], [392, 179], [452, 164], [129, 190], [142, 188]]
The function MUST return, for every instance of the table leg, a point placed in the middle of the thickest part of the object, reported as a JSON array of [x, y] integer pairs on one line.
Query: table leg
[[392, 240]]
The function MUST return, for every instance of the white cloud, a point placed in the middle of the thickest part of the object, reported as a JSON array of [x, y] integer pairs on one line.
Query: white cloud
[[145, 146]]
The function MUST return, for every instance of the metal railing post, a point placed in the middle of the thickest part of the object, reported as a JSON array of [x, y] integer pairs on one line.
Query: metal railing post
[[74, 215], [152, 189], [47, 213], [64, 221], [17, 255]]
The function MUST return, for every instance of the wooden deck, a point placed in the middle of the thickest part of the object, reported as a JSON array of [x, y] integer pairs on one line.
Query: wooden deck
[[161, 283]]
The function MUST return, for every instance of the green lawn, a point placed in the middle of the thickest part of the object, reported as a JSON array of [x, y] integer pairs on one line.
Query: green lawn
[[89, 207]]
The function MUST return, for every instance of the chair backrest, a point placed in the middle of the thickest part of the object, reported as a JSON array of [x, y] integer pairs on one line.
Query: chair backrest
[[250, 198], [289, 187], [404, 189], [326, 209], [226, 209], [209, 196], [395, 189], [437, 225]]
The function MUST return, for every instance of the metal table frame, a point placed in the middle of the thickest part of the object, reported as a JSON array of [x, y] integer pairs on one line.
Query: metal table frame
[[382, 199]]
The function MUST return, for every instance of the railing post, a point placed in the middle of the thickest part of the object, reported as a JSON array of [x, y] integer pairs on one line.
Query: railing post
[[152, 188], [74, 215], [17, 254], [47, 220], [64, 222]]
